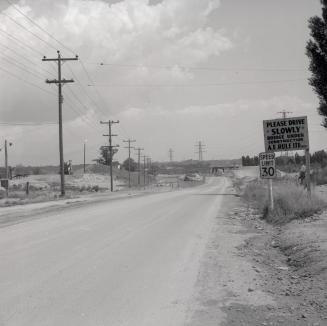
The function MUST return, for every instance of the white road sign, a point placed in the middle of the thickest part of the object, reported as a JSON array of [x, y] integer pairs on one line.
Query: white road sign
[[289, 134], [267, 165]]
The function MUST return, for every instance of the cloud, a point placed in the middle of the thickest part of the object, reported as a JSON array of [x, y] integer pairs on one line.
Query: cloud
[[170, 33]]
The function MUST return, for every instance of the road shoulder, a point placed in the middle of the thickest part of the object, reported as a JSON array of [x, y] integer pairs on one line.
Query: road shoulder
[[247, 277]]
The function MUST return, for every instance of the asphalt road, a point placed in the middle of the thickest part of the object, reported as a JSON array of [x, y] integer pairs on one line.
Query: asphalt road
[[131, 261]]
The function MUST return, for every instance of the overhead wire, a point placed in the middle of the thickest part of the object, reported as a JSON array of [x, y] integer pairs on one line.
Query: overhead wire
[[118, 65], [23, 27], [196, 85], [25, 58]]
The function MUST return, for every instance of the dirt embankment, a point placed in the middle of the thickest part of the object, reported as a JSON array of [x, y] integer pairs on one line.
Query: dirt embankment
[[293, 259], [256, 274]]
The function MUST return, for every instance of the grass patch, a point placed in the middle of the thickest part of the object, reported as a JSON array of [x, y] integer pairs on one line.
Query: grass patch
[[291, 201]]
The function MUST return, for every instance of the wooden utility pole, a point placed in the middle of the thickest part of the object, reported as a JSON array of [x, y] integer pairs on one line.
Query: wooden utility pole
[[60, 82], [129, 141], [6, 160], [110, 135], [148, 162], [144, 170], [139, 164]]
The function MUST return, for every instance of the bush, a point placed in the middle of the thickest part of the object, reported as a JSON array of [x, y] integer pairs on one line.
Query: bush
[[290, 201], [320, 176]]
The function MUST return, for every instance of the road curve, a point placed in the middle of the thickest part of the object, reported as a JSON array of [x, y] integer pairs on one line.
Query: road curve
[[128, 262]]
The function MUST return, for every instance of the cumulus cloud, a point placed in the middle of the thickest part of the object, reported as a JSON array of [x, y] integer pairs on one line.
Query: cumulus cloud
[[170, 33]]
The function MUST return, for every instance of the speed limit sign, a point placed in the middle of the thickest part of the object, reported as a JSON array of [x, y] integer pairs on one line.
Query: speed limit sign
[[267, 165]]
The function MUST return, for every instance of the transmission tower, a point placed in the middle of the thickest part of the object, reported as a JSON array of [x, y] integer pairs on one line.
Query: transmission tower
[[170, 155], [284, 114], [200, 150]]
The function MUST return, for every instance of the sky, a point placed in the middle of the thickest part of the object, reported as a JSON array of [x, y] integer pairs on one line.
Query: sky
[[173, 72]]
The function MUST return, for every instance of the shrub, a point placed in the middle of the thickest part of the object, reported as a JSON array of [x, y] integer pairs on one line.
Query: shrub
[[320, 176], [290, 201]]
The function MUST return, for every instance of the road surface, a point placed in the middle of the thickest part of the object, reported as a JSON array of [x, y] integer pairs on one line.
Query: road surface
[[130, 261]]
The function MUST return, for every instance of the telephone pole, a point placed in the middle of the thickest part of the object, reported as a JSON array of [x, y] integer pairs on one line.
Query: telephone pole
[[110, 135], [129, 141], [201, 150], [144, 170], [139, 149], [171, 154], [60, 82], [148, 163]]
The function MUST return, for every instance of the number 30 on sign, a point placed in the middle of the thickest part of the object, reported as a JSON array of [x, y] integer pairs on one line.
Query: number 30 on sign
[[267, 165]]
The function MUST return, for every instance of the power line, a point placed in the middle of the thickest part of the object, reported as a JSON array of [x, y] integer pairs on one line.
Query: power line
[[198, 85], [117, 65], [23, 57], [36, 74], [26, 81], [21, 43], [40, 27], [27, 124], [23, 27]]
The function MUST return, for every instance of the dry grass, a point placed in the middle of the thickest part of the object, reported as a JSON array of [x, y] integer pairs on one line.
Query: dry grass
[[291, 201]]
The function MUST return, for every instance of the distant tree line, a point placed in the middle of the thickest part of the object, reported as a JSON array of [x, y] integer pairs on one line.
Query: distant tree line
[[317, 158], [250, 161]]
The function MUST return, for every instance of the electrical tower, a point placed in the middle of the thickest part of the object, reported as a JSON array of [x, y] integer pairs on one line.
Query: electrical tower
[[139, 149], [110, 135], [201, 149], [170, 155], [284, 114], [60, 82], [129, 141]]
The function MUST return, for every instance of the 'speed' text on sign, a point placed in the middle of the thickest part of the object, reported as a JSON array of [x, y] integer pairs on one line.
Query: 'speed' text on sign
[[288, 134]]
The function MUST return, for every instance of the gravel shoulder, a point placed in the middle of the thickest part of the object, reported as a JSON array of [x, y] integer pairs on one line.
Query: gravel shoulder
[[256, 274]]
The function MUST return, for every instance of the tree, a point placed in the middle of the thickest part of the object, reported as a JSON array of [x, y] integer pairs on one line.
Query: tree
[[133, 165], [105, 155], [317, 52]]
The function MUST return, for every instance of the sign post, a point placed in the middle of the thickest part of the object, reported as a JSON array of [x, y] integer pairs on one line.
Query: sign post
[[268, 171], [289, 134]]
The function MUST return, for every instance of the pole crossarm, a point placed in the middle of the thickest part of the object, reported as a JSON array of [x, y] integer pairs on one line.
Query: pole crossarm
[[55, 81]]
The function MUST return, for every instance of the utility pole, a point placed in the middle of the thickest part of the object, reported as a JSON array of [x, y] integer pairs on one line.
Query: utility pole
[[144, 170], [129, 141], [201, 150], [284, 114], [85, 155], [149, 167], [60, 82], [171, 154], [110, 135], [6, 160], [139, 149]]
